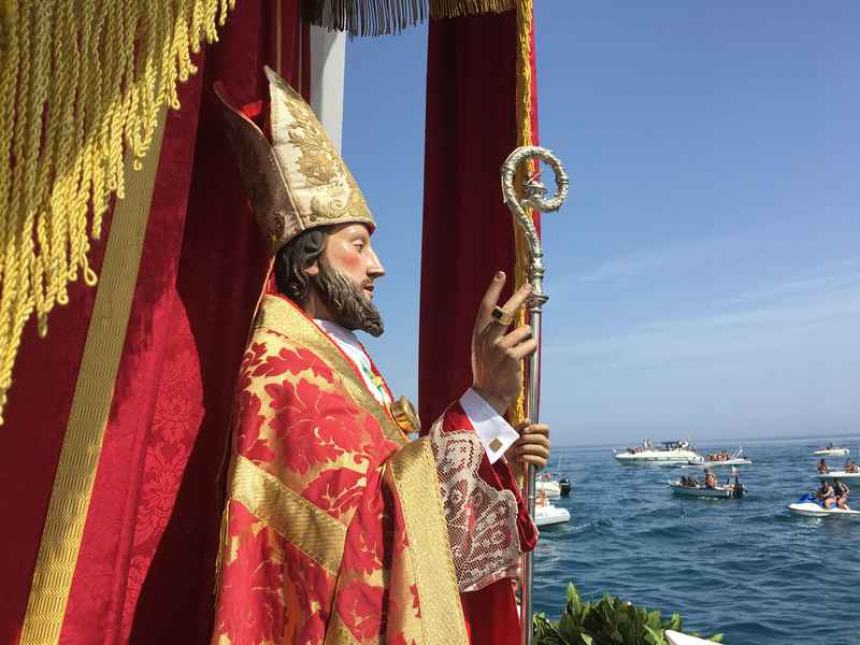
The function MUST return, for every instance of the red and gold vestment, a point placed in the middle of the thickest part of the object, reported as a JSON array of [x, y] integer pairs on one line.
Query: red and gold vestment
[[340, 529]]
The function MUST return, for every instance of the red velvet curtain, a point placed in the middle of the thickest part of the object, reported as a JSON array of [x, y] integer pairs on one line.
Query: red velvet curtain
[[471, 128], [146, 563]]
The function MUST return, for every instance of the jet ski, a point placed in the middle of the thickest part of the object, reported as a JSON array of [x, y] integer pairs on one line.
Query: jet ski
[[808, 505]]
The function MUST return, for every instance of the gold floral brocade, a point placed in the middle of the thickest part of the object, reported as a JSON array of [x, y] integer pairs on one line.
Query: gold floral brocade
[[279, 315], [298, 180], [335, 530]]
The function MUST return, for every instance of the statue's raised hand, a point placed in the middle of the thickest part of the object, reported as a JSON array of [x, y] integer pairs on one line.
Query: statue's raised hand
[[497, 372]]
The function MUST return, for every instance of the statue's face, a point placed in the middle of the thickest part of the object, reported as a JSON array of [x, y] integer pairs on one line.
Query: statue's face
[[349, 253], [343, 279]]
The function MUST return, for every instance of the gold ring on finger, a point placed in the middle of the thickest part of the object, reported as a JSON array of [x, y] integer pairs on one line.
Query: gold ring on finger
[[502, 317]]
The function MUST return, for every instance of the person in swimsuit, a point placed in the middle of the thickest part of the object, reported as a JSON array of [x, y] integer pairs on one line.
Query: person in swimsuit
[[840, 492], [825, 494], [822, 466], [710, 480]]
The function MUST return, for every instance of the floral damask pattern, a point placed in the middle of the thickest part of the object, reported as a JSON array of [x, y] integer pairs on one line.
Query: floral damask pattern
[[176, 418], [252, 600], [295, 419], [319, 425], [298, 422]]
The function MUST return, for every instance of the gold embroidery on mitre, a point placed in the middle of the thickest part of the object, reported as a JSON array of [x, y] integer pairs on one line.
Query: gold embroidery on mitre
[[297, 180], [322, 186]]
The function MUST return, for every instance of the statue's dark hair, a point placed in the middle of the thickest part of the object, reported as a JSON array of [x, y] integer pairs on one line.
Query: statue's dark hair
[[294, 258]]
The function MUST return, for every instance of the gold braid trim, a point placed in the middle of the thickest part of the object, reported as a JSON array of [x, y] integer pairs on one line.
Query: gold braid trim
[[517, 411], [412, 470], [378, 17], [81, 82], [75, 477], [310, 529]]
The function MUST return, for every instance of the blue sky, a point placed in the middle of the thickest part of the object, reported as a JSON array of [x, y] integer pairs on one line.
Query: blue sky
[[704, 274]]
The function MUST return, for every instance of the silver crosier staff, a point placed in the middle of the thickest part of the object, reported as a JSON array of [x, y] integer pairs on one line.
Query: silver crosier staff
[[534, 196]]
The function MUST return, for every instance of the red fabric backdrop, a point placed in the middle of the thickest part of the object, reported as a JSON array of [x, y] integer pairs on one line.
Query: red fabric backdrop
[[146, 564], [471, 128]]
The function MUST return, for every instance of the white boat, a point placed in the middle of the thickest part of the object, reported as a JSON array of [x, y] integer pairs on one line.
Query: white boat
[[737, 458], [723, 463], [551, 488], [677, 638], [838, 474], [668, 451], [547, 514], [831, 451], [727, 491], [813, 509]]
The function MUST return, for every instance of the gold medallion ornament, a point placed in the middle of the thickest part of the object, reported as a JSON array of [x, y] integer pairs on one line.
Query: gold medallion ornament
[[297, 180]]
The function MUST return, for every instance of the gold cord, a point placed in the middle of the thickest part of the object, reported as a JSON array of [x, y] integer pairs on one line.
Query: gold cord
[[85, 80], [517, 411]]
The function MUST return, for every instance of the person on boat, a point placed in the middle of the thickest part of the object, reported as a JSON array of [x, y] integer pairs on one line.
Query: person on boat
[[851, 467], [825, 494], [822, 467], [841, 492], [736, 474], [710, 479]]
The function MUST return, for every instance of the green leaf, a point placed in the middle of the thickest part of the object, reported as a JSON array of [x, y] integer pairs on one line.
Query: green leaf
[[675, 623], [605, 621], [654, 636], [654, 620]]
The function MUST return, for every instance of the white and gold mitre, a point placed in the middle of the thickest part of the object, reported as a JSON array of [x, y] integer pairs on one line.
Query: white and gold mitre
[[298, 180]]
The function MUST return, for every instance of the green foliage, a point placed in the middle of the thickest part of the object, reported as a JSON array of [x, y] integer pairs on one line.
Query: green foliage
[[608, 621]]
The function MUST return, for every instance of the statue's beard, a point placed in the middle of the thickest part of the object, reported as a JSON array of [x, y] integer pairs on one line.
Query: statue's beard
[[347, 301]]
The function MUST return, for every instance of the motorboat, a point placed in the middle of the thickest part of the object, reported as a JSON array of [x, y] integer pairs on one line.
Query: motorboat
[[716, 460], [808, 505], [680, 452], [725, 463], [677, 638], [553, 486], [549, 487], [831, 451], [839, 474], [726, 491], [547, 514]]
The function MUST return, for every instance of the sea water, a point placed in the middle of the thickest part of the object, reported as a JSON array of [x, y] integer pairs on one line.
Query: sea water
[[748, 568]]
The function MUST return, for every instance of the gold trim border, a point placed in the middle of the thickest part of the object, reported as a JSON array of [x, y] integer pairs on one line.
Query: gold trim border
[[316, 533], [413, 470], [79, 458]]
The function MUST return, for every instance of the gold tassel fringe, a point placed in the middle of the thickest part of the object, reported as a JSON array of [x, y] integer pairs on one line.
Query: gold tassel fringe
[[378, 17], [517, 412], [82, 82]]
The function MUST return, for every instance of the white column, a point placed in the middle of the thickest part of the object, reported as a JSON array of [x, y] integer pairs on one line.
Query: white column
[[328, 62]]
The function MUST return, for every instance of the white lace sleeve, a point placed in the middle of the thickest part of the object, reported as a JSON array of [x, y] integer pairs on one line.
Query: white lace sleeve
[[482, 521]]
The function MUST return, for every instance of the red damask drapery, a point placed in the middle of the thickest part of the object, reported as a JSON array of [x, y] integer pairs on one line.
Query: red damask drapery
[[146, 561], [145, 566], [472, 126]]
